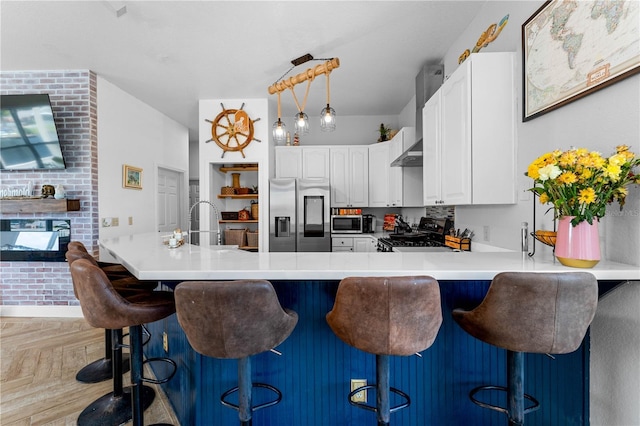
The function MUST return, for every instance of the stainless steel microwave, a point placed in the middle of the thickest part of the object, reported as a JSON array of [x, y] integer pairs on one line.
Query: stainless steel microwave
[[346, 224]]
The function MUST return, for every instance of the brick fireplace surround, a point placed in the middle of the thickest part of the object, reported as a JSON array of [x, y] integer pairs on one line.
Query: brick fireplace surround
[[73, 95]]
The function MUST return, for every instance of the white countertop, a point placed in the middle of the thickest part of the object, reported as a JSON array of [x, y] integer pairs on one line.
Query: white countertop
[[148, 259]]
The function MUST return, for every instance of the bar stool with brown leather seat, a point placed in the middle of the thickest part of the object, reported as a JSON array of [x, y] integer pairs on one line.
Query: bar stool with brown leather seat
[[114, 407], [386, 316], [546, 313], [125, 284], [113, 270], [103, 307], [235, 320]]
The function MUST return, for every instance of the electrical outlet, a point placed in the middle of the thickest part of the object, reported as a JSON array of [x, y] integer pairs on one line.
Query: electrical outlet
[[130, 220], [485, 231], [115, 221], [362, 395], [165, 342]]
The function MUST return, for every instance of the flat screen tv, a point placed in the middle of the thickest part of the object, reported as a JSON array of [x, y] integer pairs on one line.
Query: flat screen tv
[[28, 134]]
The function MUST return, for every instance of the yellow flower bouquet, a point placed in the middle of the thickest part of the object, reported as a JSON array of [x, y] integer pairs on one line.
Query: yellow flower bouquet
[[580, 183]]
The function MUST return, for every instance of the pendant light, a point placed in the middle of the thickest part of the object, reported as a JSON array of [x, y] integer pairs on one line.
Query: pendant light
[[302, 123], [328, 114], [279, 129], [301, 120]]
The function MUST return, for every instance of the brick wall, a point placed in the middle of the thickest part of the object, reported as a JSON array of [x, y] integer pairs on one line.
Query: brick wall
[[74, 103]]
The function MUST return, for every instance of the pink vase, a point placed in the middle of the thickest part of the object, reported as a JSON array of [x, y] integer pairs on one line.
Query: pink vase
[[577, 246]]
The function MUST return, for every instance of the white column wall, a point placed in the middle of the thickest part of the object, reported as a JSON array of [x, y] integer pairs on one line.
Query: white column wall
[[210, 155], [131, 132]]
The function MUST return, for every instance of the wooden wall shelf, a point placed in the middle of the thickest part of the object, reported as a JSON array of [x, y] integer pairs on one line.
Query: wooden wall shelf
[[250, 167], [39, 205], [242, 197]]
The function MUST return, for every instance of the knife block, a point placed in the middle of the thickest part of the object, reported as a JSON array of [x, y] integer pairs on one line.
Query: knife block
[[456, 243]]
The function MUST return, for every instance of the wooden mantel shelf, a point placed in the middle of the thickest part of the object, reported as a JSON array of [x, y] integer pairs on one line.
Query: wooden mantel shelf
[[39, 205]]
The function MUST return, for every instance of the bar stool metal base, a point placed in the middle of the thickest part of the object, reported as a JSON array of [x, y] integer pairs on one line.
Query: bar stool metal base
[[138, 404], [382, 409], [100, 370], [111, 410], [245, 407], [515, 409]]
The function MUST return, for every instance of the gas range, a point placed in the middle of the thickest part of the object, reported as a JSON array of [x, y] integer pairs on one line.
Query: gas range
[[429, 237]]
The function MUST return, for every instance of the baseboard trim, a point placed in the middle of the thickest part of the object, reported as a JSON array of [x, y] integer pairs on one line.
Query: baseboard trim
[[43, 311]]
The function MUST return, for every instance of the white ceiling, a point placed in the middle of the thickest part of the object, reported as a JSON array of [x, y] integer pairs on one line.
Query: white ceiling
[[170, 54]]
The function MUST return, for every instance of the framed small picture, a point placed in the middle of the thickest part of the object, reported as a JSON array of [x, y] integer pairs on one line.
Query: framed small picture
[[131, 177], [571, 49]]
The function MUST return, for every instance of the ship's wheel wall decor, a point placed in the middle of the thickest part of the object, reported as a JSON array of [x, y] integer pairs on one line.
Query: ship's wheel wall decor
[[232, 130]]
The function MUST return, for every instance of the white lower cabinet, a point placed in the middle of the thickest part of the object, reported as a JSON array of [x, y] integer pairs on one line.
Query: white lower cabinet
[[364, 244], [341, 244], [354, 244]]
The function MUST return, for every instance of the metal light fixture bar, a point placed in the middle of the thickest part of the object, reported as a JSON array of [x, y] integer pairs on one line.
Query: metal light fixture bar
[[309, 74]]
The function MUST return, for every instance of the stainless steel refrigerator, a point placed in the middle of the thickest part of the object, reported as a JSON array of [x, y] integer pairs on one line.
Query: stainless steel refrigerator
[[299, 215]]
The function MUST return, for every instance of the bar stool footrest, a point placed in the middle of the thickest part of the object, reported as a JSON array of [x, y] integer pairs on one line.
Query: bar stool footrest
[[256, 407], [405, 404], [476, 401], [160, 381]]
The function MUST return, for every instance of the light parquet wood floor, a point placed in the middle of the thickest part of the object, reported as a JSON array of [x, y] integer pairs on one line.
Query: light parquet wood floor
[[39, 359]]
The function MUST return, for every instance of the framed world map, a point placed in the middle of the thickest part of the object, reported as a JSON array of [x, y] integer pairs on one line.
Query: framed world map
[[573, 48]]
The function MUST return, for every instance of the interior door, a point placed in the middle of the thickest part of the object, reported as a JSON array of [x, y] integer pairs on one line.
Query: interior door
[[169, 200]]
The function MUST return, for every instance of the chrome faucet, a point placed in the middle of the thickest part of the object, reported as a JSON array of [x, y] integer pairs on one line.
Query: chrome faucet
[[215, 211]]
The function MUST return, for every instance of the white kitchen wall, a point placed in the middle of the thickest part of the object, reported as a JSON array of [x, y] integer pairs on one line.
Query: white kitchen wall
[[599, 122], [131, 132]]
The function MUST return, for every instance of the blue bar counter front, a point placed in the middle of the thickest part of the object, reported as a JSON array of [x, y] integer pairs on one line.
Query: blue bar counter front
[[315, 370]]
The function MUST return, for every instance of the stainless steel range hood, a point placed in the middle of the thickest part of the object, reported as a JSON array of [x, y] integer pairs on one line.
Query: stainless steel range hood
[[428, 81], [412, 157]]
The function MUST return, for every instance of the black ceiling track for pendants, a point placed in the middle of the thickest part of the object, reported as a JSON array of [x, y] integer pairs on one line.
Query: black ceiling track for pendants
[[302, 59]]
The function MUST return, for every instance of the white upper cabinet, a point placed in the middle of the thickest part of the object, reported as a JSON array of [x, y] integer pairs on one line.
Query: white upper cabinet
[[302, 162], [405, 183], [379, 174], [350, 176], [431, 156], [394, 186], [288, 162], [395, 173], [469, 140], [315, 162]]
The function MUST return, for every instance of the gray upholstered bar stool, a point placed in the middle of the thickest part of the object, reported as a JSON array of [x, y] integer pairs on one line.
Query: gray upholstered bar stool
[[386, 316], [546, 313], [235, 320], [125, 284], [103, 307]]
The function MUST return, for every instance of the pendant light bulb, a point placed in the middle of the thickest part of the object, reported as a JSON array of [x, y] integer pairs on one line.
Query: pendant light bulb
[[328, 119], [302, 123], [279, 132]]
